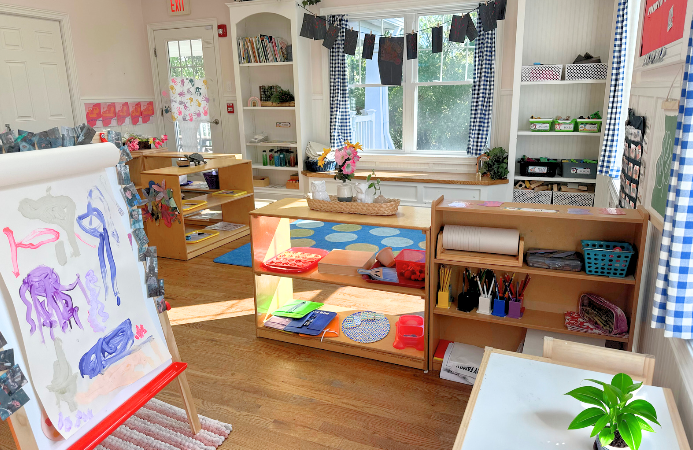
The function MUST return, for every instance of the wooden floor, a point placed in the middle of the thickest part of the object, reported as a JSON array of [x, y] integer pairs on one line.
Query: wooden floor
[[283, 396]]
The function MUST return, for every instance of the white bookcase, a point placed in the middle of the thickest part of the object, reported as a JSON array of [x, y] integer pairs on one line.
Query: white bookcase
[[555, 32], [281, 19]]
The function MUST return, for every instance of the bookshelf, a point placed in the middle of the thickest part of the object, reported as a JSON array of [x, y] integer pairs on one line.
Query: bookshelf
[[281, 19], [551, 292]]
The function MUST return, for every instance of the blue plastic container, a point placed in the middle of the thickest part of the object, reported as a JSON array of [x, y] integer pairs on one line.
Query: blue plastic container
[[601, 258], [499, 307]]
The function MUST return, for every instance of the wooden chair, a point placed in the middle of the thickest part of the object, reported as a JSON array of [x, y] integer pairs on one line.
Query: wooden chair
[[640, 367]]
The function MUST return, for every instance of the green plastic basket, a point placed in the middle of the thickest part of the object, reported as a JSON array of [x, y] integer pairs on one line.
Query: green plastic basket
[[541, 125], [565, 126]]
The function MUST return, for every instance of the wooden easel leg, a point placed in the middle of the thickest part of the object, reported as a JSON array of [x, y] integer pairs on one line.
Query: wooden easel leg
[[188, 399], [21, 430]]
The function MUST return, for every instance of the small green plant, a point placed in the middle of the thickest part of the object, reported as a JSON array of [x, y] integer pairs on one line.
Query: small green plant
[[282, 96], [614, 414], [375, 185], [310, 2], [497, 164]]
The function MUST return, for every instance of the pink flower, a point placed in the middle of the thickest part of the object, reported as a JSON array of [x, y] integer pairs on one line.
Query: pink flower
[[349, 168], [340, 156], [133, 145], [164, 138]]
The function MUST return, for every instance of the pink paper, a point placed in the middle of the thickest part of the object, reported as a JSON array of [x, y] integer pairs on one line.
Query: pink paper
[[612, 211], [492, 204], [147, 111], [123, 113], [93, 112], [108, 113], [135, 112]]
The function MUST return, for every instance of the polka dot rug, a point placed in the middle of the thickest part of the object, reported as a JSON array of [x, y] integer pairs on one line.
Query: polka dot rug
[[342, 236]]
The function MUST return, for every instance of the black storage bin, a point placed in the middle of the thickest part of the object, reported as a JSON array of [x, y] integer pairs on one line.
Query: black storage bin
[[539, 168]]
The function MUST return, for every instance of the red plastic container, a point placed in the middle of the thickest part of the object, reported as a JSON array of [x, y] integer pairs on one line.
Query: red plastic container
[[403, 282], [411, 264], [410, 332], [291, 260]]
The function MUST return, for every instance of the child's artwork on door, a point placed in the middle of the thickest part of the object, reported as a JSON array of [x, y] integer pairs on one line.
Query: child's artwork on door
[[75, 286]]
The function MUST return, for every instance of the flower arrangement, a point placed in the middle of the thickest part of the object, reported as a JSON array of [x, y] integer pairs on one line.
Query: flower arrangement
[[135, 142], [346, 158], [159, 142]]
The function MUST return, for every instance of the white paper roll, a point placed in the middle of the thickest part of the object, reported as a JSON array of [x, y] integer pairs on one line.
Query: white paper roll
[[63, 162], [480, 239]]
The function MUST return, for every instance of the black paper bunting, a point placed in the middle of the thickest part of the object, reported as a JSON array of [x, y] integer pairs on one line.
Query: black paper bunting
[[437, 39], [471, 29], [331, 37], [500, 9], [390, 59], [368, 46], [412, 45], [320, 28], [487, 13], [308, 27], [351, 38], [458, 29]]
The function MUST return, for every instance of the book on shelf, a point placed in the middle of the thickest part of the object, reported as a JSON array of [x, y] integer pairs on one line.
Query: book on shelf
[[263, 49]]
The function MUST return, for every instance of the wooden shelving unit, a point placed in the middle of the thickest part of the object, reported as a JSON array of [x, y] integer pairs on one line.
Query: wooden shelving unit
[[233, 174], [270, 235], [551, 292]]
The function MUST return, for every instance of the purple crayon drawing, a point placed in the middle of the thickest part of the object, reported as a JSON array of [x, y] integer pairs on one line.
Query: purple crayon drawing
[[56, 310], [93, 223], [96, 308]]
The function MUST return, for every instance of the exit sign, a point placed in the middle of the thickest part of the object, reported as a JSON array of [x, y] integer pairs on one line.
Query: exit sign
[[178, 7]]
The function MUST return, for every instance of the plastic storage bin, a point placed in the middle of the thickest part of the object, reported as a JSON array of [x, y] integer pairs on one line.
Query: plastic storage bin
[[585, 71], [410, 332], [411, 264], [573, 198], [542, 72], [565, 126], [540, 125], [602, 259], [578, 169], [589, 125], [526, 196], [538, 168]]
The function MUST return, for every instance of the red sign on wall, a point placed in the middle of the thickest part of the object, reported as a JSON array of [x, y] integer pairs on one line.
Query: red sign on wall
[[663, 24], [178, 7]]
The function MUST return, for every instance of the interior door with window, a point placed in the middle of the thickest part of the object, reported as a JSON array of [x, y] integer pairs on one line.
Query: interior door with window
[[187, 71]]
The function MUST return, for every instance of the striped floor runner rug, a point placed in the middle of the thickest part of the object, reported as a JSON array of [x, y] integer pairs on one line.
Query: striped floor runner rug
[[160, 426]]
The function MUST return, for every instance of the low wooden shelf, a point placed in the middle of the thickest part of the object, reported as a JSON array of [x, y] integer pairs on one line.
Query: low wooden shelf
[[234, 174], [551, 292], [270, 235]]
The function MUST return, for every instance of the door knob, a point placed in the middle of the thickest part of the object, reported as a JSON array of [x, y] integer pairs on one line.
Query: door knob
[[215, 121]]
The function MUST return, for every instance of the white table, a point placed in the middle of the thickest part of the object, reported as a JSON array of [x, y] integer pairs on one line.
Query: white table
[[519, 403]]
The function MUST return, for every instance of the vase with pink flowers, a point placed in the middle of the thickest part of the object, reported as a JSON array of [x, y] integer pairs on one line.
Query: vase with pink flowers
[[346, 159]]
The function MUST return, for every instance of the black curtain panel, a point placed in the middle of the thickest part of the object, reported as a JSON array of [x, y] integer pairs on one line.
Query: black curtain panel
[[500, 9], [351, 38], [437, 39], [331, 37], [368, 45], [471, 29], [308, 27], [412, 45], [320, 28], [390, 59], [458, 29]]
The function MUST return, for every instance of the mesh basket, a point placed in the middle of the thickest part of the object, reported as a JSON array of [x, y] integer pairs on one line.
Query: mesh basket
[[585, 71], [601, 259], [542, 73], [525, 196], [573, 198]]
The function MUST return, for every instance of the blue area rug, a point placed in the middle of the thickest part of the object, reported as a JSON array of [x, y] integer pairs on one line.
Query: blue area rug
[[330, 236]]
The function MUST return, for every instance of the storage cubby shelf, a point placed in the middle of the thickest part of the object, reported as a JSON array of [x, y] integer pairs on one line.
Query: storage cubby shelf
[[272, 144], [560, 82], [212, 202], [556, 179], [556, 133], [284, 63], [261, 167]]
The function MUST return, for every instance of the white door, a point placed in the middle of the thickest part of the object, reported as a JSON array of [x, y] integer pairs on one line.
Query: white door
[[186, 56], [34, 92]]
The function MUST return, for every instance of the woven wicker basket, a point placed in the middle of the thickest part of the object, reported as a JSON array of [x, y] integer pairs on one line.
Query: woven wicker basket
[[388, 208]]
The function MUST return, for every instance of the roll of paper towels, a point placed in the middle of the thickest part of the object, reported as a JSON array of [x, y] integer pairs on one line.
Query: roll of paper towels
[[480, 239]]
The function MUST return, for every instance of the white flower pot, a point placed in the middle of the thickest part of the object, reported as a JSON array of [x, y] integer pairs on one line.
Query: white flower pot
[[598, 446], [344, 192]]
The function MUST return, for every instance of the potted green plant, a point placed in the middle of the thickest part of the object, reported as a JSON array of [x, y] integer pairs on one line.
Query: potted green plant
[[497, 164], [282, 97], [617, 420]]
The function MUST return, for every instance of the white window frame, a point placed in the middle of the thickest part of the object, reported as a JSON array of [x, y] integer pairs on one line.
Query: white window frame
[[410, 11]]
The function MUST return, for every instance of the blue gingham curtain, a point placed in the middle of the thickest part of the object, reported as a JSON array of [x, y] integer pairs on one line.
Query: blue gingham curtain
[[482, 90], [673, 300], [340, 125], [611, 154]]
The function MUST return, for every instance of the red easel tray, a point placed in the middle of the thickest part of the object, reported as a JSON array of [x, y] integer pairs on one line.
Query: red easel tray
[[295, 260], [404, 282]]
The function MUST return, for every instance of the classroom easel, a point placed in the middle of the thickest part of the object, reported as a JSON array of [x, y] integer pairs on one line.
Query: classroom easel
[[24, 437]]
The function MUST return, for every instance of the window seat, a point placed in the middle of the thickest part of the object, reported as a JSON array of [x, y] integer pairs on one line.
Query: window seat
[[416, 177]]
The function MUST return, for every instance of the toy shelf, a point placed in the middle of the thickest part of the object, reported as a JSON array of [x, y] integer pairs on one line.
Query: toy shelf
[[558, 179], [234, 174], [270, 235], [551, 293], [556, 133]]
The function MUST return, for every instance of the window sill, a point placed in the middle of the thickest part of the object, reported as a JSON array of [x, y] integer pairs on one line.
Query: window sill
[[433, 162]]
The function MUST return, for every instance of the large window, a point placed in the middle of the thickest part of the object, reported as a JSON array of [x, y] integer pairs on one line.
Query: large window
[[430, 111]]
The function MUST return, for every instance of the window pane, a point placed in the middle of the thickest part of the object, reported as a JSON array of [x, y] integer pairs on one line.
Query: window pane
[[376, 117], [454, 63], [196, 47], [173, 49], [364, 71], [443, 117]]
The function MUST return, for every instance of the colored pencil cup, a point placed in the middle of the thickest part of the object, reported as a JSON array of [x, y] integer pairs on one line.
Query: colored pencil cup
[[484, 305], [467, 301], [515, 309], [444, 299], [499, 307]]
